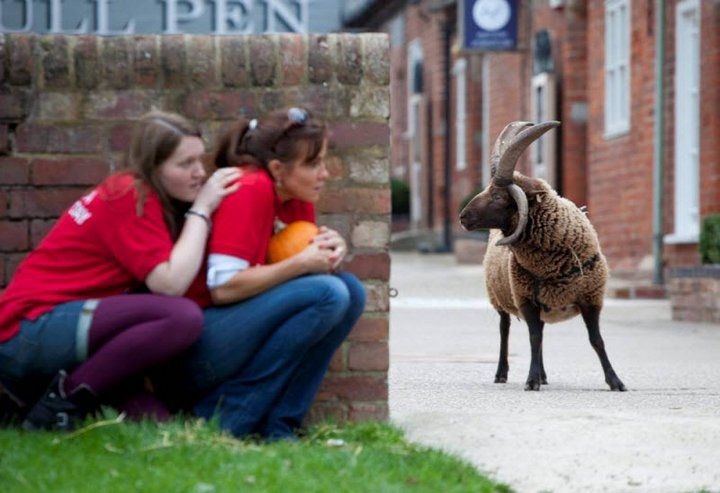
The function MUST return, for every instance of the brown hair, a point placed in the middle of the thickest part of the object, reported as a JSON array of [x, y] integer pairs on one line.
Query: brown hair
[[283, 135], [154, 139]]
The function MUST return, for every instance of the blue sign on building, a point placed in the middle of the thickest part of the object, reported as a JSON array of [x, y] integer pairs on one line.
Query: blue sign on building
[[489, 25]]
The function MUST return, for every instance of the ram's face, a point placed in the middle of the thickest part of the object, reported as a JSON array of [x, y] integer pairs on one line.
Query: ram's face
[[491, 208]]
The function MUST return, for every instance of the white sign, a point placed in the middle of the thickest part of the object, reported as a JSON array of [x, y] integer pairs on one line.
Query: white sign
[[177, 16]]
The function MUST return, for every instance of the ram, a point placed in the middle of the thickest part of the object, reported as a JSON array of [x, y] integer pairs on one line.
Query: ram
[[543, 262]]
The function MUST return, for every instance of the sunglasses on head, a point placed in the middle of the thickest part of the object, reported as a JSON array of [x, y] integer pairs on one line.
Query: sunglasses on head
[[297, 117]]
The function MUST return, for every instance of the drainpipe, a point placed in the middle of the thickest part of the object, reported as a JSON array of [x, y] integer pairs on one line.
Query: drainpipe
[[658, 144], [447, 176]]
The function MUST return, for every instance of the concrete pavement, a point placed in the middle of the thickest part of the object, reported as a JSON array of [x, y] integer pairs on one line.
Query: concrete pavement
[[662, 435]]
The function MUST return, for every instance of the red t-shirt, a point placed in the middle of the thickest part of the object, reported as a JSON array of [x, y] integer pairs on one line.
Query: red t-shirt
[[99, 247], [243, 224]]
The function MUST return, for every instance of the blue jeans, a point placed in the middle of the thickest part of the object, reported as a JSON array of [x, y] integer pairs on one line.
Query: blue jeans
[[260, 362], [44, 345]]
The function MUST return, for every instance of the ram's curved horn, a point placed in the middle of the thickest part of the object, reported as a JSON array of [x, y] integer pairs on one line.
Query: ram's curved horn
[[522, 135], [508, 158], [503, 141], [521, 200]]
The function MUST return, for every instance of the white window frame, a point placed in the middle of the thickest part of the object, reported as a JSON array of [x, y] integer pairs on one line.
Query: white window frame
[[414, 106], [687, 124], [460, 74], [544, 108], [617, 67]]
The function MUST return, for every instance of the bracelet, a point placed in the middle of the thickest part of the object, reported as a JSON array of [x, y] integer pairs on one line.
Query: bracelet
[[204, 217]]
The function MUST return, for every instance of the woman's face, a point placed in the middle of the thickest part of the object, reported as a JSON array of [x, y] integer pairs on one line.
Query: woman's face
[[182, 174], [302, 180]]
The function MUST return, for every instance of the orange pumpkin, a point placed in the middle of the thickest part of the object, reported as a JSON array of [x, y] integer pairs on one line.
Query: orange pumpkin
[[290, 240]]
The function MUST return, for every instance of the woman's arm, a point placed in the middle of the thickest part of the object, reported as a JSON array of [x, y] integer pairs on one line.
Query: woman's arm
[[174, 276], [314, 259]]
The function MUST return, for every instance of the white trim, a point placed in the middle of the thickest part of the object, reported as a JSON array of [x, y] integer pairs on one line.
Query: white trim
[[687, 121], [617, 67], [543, 104], [460, 73]]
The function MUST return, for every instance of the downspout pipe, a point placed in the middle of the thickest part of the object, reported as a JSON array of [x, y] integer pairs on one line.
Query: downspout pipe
[[446, 245], [658, 144]]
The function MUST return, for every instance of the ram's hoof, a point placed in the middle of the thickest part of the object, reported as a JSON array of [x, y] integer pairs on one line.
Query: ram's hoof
[[617, 385], [500, 378], [534, 385]]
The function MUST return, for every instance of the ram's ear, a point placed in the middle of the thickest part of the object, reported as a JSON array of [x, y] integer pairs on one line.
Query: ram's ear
[[535, 196]]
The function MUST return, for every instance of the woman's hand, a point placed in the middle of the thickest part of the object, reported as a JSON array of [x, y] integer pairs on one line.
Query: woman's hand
[[330, 240], [220, 184]]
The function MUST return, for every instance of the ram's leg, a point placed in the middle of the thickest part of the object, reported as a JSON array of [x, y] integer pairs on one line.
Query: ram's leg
[[591, 316], [543, 375], [535, 327], [503, 366]]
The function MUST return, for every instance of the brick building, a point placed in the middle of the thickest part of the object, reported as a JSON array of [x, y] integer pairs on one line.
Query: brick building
[[634, 83]]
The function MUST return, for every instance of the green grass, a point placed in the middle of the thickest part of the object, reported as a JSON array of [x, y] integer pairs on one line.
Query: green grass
[[191, 456]]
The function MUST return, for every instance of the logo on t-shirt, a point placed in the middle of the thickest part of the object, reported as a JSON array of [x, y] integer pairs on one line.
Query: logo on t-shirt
[[79, 212]]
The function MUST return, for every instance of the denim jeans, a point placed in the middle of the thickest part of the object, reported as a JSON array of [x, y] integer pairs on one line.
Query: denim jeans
[[45, 344], [260, 362]]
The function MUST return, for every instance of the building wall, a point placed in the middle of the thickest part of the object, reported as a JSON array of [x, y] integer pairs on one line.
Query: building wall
[[67, 104]]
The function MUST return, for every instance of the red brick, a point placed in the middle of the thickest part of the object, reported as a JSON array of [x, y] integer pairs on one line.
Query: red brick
[[366, 411], [115, 60], [14, 170], [233, 60], [14, 104], [201, 66], [48, 139], [364, 134], [370, 266], [145, 61], [349, 65], [49, 202], [69, 171], [368, 200], [119, 104], [263, 60], [55, 58], [14, 236], [205, 105], [370, 329], [293, 56], [377, 59], [319, 61], [21, 60], [87, 61], [39, 228], [120, 135], [355, 388], [173, 58], [368, 356], [4, 137]]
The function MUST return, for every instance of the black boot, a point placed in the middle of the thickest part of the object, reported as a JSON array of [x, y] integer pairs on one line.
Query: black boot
[[57, 411]]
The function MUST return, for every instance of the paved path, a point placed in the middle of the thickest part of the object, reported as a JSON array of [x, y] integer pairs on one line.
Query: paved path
[[574, 435]]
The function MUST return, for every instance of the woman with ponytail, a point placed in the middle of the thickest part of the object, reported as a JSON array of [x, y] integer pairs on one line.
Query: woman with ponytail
[[270, 329]]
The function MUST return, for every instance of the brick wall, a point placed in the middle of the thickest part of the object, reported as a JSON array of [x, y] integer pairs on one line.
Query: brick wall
[[66, 110]]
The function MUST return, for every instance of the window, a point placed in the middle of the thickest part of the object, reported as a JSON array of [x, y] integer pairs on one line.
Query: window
[[687, 124], [544, 108], [460, 73], [617, 67]]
